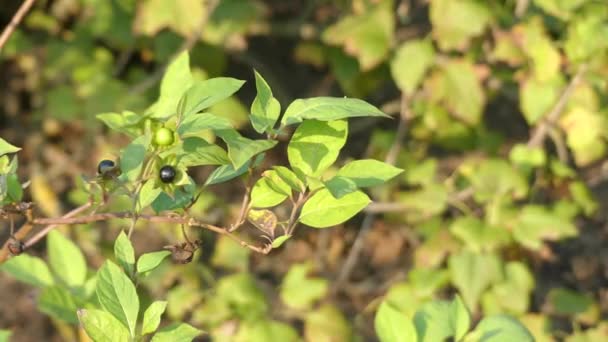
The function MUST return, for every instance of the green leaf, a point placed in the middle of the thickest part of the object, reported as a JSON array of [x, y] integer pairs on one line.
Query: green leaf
[[102, 327], [117, 295], [204, 94], [315, 146], [561, 9], [495, 178], [28, 269], [526, 156], [242, 294], [279, 241], [463, 94], [340, 186], [176, 332], [149, 261], [300, 292], [472, 274], [14, 190], [132, 157], [264, 330], [577, 306], [66, 259], [125, 122], [536, 223], [225, 173], [5, 335], [586, 37], [124, 252], [367, 35], [241, 149], [176, 81], [147, 194], [324, 210], [369, 172], [197, 152], [194, 124], [439, 320], [265, 109], [152, 317], [230, 255], [502, 328], [536, 98], [393, 326], [290, 178], [412, 59], [328, 109], [5, 147], [479, 236], [182, 17], [58, 303], [327, 323], [269, 191], [466, 19]]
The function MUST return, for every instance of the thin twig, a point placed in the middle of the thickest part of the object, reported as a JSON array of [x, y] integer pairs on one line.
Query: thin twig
[[42, 233], [26, 228], [12, 25], [541, 131], [368, 220]]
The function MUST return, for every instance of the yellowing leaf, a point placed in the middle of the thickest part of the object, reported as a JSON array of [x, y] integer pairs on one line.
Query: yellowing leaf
[[44, 196], [367, 36], [182, 16], [456, 22]]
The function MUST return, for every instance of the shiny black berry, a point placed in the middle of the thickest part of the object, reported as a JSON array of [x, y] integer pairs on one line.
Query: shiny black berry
[[104, 166], [167, 174]]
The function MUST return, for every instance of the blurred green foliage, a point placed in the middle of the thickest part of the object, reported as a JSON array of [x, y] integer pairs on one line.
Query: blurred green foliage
[[479, 79]]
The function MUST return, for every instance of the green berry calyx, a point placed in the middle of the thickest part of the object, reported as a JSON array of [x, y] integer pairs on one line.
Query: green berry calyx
[[167, 174], [163, 137]]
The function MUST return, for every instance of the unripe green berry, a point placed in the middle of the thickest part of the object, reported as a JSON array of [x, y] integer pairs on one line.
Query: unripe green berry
[[163, 137]]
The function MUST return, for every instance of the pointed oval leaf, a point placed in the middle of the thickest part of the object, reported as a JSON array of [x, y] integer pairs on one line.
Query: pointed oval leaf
[[66, 259], [176, 332], [102, 326], [340, 186], [5, 147], [204, 94], [117, 295], [328, 109], [28, 269], [502, 328], [290, 178], [279, 241], [393, 326], [132, 157], [315, 146], [197, 151], [147, 194], [175, 82], [196, 123], [324, 210], [241, 149], [369, 172], [124, 252], [149, 261], [152, 316], [59, 303], [439, 320], [265, 109]]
